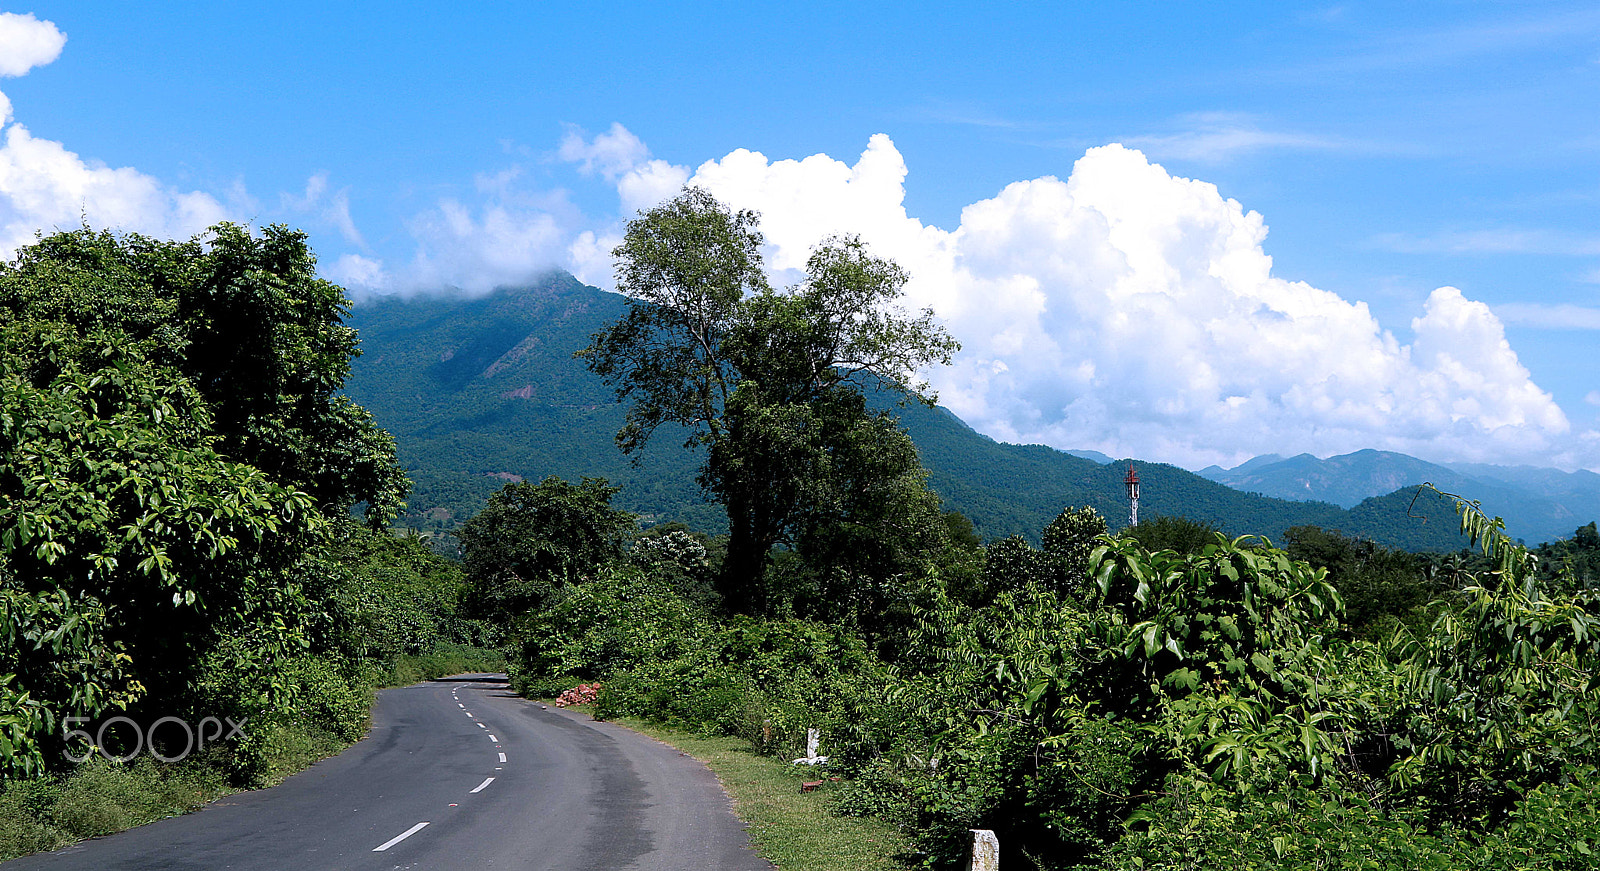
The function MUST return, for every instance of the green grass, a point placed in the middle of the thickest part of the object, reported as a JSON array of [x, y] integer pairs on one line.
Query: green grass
[[796, 831], [99, 798]]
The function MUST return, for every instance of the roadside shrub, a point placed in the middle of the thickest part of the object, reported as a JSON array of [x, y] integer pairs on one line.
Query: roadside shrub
[[541, 686], [877, 789], [443, 660], [329, 696], [100, 797], [25, 825], [682, 694], [1199, 825], [606, 626]]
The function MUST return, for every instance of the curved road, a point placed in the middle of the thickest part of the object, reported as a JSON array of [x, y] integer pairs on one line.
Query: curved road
[[454, 774]]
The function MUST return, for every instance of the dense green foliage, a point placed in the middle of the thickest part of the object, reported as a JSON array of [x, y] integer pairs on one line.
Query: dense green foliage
[[1104, 705], [533, 539], [177, 474], [1380, 586]]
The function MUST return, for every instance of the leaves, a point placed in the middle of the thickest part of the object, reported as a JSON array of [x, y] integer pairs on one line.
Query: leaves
[[170, 451], [534, 539]]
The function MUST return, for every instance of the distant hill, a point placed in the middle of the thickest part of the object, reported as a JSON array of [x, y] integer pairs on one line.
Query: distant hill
[[1538, 504], [483, 390], [1091, 455]]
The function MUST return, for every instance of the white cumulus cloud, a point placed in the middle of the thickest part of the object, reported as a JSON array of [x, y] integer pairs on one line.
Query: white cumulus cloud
[[1127, 310], [611, 153], [26, 42], [512, 233], [357, 273], [478, 247], [45, 187]]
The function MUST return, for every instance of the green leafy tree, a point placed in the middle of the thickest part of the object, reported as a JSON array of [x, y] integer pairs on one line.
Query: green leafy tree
[[1012, 564], [1062, 567], [164, 471], [1180, 534], [242, 318], [678, 557], [1381, 588], [768, 382], [533, 539], [1070, 540]]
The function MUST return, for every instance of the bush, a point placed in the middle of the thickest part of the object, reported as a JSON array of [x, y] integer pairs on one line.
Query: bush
[[541, 686], [877, 789], [1554, 828], [682, 694], [607, 626], [329, 696]]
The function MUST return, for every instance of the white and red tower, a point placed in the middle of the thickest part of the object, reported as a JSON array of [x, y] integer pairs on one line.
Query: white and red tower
[[1133, 495]]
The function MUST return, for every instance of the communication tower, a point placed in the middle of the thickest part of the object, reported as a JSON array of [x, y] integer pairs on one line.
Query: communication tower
[[1133, 495]]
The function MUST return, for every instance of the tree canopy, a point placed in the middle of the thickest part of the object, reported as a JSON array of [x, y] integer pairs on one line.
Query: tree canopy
[[533, 539], [171, 445]]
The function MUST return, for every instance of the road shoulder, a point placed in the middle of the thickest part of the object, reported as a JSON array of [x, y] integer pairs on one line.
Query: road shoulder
[[794, 830]]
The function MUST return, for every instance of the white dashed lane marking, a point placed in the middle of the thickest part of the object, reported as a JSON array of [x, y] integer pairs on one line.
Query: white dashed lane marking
[[502, 757], [406, 834], [486, 782]]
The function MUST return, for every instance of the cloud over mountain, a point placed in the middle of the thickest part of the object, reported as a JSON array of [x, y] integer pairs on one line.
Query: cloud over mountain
[[1121, 309]]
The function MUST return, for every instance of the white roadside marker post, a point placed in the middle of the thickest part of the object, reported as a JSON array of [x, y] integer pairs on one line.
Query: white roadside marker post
[[985, 851], [813, 741]]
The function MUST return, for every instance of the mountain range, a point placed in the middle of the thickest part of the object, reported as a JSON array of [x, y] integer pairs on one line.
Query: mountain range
[[482, 390], [1538, 504]]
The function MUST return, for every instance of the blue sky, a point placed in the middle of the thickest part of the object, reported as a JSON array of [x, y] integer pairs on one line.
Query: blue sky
[[1391, 149]]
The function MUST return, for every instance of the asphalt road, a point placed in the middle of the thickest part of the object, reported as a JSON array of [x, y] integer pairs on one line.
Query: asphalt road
[[455, 774]]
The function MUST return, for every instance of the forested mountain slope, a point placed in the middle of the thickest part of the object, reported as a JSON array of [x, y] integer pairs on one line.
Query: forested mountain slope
[[480, 391]]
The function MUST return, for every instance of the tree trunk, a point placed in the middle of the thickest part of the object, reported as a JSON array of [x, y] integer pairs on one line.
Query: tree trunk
[[741, 582]]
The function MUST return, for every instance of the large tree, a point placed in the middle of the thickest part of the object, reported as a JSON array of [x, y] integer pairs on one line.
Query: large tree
[[171, 446], [768, 382], [533, 539]]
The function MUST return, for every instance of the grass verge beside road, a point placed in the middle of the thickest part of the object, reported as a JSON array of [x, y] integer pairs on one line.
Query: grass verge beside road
[[796, 831]]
